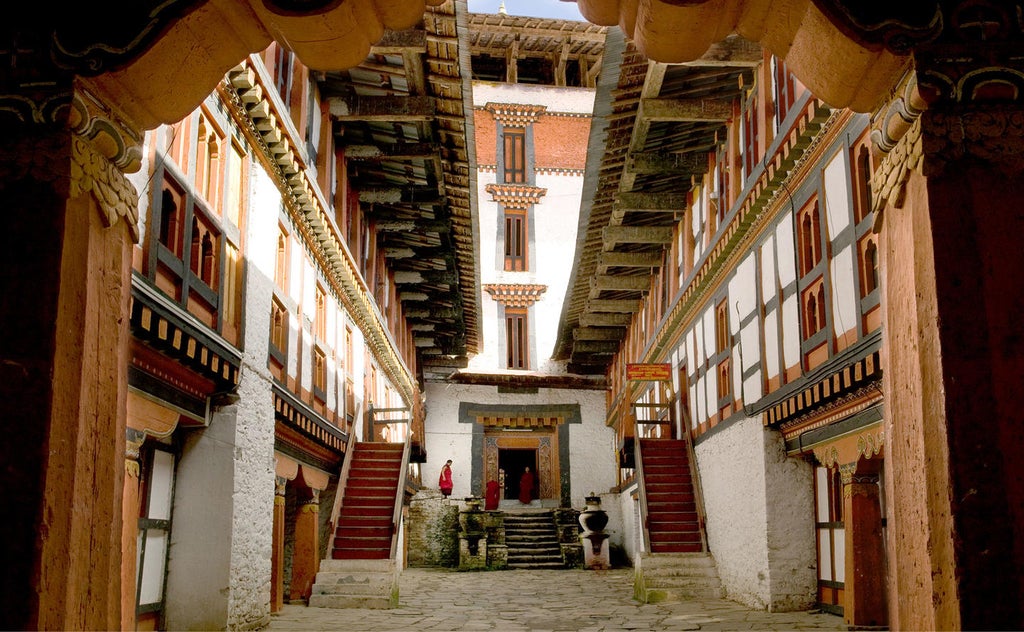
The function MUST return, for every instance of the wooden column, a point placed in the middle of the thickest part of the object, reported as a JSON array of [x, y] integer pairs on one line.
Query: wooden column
[[277, 553], [952, 363], [130, 528], [864, 584], [66, 255], [305, 557]]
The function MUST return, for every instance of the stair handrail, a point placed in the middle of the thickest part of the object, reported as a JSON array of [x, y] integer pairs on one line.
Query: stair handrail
[[698, 494], [641, 485], [396, 516], [342, 483]]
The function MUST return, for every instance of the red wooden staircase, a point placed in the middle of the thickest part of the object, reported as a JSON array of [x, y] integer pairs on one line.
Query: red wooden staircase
[[365, 524], [673, 520]]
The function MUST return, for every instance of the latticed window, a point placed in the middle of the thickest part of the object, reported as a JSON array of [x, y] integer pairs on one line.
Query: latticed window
[[514, 139], [516, 338]]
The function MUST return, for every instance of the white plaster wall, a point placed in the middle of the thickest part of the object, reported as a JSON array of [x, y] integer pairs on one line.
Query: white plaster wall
[[557, 99], [219, 561], [592, 456], [844, 291], [556, 219], [554, 227], [837, 195], [759, 516], [624, 520]]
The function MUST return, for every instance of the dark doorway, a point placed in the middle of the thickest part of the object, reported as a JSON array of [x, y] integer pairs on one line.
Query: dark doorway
[[514, 462]]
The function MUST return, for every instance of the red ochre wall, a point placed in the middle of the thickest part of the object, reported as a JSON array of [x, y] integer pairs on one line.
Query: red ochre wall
[[560, 142]]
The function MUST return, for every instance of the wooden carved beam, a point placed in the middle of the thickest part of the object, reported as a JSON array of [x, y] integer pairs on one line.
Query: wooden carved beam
[[629, 259], [592, 319], [387, 109], [598, 333], [615, 306], [653, 202], [651, 162], [637, 235], [685, 110]]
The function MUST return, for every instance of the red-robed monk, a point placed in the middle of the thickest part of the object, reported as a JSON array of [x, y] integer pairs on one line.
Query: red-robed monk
[[491, 497], [444, 481], [526, 487]]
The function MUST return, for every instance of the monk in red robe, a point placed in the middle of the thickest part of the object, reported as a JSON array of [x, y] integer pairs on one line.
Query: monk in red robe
[[526, 487], [491, 496], [444, 481]]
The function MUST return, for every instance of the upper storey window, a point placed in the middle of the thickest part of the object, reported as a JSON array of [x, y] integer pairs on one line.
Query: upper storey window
[[283, 59], [515, 154], [517, 342], [515, 239], [809, 226], [751, 135], [784, 84], [192, 253]]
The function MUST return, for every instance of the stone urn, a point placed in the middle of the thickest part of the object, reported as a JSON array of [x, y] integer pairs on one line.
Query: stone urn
[[593, 518]]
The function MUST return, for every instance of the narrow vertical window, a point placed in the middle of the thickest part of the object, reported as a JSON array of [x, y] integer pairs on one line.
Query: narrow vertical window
[[278, 327], [319, 373], [281, 264], [750, 136], [516, 338], [172, 218], [514, 139], [785, 89], [862, 184], [321, 313], [515, 239], [810, 238]]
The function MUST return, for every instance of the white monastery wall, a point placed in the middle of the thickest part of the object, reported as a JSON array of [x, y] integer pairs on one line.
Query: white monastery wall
[[572, 100], [591, 443], [758, 507], [219, 561]]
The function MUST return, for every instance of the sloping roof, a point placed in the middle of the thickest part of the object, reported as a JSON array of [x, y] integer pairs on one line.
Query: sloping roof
[[401, 116], [654, 126]]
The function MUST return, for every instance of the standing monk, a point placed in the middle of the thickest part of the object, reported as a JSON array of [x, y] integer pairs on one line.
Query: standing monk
[[445, 480], [526, 487]]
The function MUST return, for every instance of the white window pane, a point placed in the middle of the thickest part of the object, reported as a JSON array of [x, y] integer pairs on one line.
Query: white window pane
[[821, 493], [839, 537], [161, 485], [824, 554], [151, 583]]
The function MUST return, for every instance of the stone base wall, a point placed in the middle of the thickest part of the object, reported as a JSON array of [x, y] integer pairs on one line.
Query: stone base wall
[[760, 520], [432, 530]]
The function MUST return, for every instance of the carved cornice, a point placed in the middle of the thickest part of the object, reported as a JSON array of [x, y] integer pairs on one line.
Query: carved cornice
[[308, 209], [520, 196], [76, 165], [515, 294], [515, 114]]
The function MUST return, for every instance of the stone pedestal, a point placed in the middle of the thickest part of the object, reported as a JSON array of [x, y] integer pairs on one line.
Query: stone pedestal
[[472, 536], [593, 520]]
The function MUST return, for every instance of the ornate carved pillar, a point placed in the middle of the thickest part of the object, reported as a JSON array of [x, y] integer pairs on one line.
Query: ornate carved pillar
[[70, 221], [950, 188], [864, 603], [306, 556], [277, 554], [130, 526]]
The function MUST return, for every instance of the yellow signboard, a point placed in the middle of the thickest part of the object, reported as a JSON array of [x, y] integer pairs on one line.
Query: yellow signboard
[[649, 372]]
